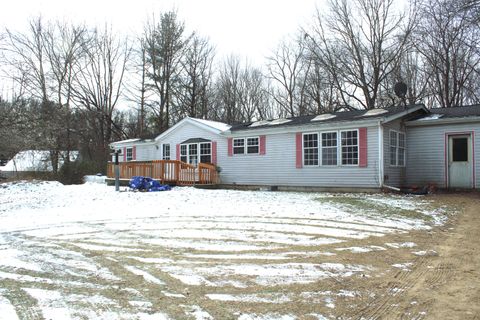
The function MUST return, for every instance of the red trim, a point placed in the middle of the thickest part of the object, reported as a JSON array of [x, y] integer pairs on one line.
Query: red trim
[[214, 152], [262, 145], [298, 150], [178, 152], [362, 135], [124, 154], [134, 153], [230, 147], [447, 135]]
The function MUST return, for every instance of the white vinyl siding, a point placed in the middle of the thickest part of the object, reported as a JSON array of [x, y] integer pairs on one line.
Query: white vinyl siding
[[278, 166], [426, 152]]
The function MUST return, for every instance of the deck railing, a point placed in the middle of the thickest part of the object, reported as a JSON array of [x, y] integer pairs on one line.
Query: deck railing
[[167, 171]]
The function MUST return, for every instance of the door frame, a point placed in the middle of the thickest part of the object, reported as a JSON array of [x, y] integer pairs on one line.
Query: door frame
[[446, 154]]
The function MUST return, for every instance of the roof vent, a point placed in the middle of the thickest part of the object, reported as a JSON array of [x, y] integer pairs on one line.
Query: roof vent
[[374, 112], [279, 121], [324, 116], [259, 123]]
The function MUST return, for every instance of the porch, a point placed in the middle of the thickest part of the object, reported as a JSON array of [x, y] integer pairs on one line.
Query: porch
[[166, 172]]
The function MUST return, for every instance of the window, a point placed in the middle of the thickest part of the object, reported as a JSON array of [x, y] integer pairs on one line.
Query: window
[[129, 154], [310, 149], [401, 149], [206, 152], [238, 146], [329, 148], [397, 148], [193, 154], [252, 145], [183, 153], [349, 147], [166, 151]]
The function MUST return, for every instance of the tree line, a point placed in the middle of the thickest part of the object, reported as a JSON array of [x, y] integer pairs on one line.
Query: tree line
[[68, 84]]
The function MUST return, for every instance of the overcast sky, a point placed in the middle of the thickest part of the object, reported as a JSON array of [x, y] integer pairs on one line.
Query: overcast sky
[[250, 28]]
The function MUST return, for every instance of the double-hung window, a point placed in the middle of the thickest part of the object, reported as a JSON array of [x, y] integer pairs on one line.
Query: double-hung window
[[206, 152], [397, 148], [193, 154], [183, 152], [166, 151], [349, 143], [329, 148], [129, 155], [310, 149], [252, 145], [239, 146]]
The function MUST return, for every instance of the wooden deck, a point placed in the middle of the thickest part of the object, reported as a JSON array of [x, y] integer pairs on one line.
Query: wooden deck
[[167, 171]]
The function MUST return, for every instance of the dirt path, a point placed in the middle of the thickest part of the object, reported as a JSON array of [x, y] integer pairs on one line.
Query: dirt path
[[441, 283], [452, 284]]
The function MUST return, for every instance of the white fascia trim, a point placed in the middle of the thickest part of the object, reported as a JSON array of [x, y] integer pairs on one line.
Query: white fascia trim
[[404, 113], [304, 128], [381, 163], [432, 122]]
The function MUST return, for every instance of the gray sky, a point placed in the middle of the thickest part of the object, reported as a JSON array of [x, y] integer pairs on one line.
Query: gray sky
[[250, 28]]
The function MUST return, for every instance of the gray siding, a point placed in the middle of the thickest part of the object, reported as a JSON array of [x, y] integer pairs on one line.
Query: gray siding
[[393, 176], [277, 166], [426, 152]]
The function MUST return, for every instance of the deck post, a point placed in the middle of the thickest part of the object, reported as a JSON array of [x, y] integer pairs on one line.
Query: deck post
[[117, 171]]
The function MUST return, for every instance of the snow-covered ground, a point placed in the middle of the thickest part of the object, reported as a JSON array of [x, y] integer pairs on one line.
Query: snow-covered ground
[[86, 251]]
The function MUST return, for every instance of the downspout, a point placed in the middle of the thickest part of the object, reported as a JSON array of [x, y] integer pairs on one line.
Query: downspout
[[380, 155]]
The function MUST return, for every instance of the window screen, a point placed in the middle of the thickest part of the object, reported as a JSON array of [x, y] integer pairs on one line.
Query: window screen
[[460, 149]]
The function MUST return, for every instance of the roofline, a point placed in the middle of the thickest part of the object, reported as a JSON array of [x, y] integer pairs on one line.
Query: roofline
[[432, 122], [189, 120], [405, 112], [128, 143], [330, 124], [344, 124]]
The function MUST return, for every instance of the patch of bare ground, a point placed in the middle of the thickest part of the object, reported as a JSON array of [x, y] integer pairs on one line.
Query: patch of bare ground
[[441, 277]]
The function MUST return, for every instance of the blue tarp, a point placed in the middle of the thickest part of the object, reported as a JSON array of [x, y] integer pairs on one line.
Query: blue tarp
[[147, 184]]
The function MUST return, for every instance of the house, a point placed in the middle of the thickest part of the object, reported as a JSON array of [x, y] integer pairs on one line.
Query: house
[[359, 149]]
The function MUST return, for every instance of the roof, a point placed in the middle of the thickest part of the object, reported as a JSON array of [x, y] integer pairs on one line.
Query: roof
[[195, 140], [448, 115], [457, 112], [352, 115], [35, 160], [214, 124]]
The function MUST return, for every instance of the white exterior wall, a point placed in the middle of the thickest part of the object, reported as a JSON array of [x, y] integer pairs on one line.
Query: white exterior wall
[[426, 152], [394, 176], [188, 131], [278, 166]]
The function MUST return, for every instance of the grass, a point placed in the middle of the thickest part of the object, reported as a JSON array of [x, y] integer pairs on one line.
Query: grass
[[359, 205]]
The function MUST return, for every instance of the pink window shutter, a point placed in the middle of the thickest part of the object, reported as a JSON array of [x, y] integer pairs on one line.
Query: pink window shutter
[[230, 147], [263, 147], [178, 152], [363, 147], [134, 153], [214, 152], [124, 154], [298, 151]]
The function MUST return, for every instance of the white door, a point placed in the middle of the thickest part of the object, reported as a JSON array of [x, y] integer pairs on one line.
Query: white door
[[460, 161]]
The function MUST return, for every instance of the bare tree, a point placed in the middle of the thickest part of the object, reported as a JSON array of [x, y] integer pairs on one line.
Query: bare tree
[[98, 86], [359, 44], [286, 69], [193, 96], [447, 37]]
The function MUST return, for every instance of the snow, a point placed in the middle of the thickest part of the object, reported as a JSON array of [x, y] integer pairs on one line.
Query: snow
[[90, 240], [7, 311], [34, 160], [214, 124]]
